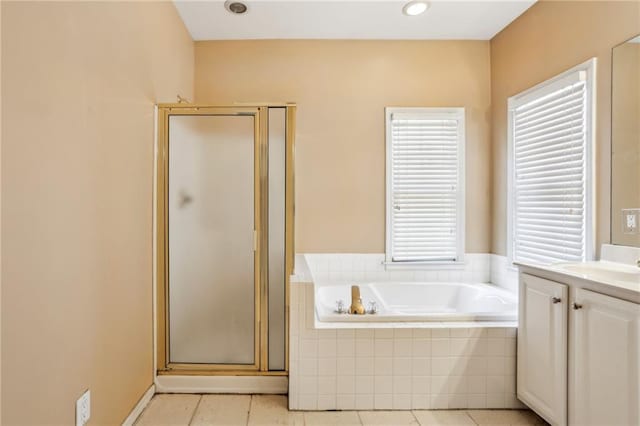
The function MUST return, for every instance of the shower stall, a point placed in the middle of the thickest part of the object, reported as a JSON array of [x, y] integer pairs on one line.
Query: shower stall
[[224, 239]]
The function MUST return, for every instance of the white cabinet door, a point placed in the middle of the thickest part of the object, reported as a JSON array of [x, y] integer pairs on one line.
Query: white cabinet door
[[542, 347], [605, 361]]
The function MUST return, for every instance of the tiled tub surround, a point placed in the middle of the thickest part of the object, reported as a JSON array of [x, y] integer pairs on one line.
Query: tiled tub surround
[[396, 368], [503, 274], [371, 267], [477, 268]]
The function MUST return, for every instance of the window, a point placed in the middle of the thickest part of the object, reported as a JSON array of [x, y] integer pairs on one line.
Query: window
[[425, 185], [550, 169]]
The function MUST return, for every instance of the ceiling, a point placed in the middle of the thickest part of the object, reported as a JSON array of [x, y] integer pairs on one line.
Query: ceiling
[[332, 19]]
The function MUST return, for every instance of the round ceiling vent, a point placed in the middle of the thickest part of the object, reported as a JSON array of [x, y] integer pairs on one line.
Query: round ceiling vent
[[235, 7]]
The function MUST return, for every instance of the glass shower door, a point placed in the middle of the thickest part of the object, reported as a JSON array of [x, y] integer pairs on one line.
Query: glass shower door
[[212, 207]]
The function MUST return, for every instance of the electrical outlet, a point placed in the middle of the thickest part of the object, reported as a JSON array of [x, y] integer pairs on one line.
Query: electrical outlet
[[630, 220], [83, 408]]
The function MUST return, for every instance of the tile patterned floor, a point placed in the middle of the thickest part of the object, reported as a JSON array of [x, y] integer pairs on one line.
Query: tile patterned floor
[[232, 410]]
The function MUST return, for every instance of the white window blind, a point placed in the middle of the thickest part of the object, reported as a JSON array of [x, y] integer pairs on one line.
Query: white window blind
[[425, 154], [550, 190]]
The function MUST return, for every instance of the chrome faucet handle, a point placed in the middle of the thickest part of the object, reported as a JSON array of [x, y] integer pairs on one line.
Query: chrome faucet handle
[[340, 307], [373, 307]]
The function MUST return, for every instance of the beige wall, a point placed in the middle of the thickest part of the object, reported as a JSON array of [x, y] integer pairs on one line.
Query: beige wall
[[625, 139], [550, 37], [341, 88], [80, 81]]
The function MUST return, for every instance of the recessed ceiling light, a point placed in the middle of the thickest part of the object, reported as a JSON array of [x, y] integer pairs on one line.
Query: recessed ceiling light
[[414, 8], [235, 7]]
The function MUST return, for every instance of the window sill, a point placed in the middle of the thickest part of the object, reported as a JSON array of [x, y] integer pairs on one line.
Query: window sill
[[457, 265]]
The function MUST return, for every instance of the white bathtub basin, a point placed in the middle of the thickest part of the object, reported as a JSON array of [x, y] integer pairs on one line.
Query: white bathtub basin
[[417, 301]]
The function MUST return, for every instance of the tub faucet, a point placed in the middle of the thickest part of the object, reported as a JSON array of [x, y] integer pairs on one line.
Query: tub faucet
[[357, 308]]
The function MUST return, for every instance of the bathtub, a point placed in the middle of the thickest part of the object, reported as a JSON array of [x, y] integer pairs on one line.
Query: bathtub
[[418, 302]]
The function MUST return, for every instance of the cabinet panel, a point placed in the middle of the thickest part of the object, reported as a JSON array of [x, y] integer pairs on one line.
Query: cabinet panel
[[542, 347], [605, 361]]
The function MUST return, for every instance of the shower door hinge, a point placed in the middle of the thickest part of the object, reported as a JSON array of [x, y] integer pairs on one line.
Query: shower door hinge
[[255, 240]]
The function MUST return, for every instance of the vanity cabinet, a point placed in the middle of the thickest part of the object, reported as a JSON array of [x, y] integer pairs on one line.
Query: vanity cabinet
[[542, 347], [604, 366], [591, 339]]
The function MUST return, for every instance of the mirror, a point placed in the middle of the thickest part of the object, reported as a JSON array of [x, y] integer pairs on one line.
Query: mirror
[[625, 143]]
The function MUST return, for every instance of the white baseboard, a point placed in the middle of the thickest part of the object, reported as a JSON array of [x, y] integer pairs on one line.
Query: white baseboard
[[140, 406], [222, 384]]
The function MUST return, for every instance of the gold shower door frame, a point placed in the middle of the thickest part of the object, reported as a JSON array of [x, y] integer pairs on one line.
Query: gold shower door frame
[[260, 114]]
